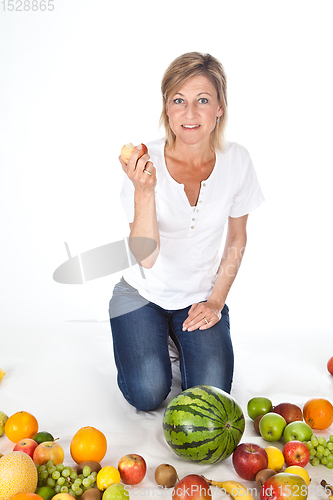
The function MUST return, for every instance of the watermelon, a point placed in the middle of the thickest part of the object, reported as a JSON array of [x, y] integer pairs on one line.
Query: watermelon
[[203, 424]]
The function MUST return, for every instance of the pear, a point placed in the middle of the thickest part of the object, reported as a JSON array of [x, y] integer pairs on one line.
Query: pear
[[3, 420]]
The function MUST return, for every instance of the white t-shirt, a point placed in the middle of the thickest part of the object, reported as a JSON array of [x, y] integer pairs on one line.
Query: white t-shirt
[[185, 270]]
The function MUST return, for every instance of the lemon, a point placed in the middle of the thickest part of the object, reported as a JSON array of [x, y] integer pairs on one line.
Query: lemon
[[275, 458], [299, 471], [107, 476], [2, 374]]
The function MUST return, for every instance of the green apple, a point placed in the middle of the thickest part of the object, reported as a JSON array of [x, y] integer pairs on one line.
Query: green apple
[[299, 431], [3, 420], [116, 492], [258, 406], [271, 426]]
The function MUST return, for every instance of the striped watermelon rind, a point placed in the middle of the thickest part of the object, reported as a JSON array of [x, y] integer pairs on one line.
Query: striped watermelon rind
[[203, 424]]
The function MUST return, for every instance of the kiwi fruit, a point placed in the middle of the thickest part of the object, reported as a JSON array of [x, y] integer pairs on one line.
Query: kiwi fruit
[[166, 475], [263, 475], [94, 466], [92, 494], [256, 423]]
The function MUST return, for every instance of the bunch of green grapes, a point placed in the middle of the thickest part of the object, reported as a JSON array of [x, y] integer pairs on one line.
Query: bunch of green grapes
[[321, 451], [63, 479]]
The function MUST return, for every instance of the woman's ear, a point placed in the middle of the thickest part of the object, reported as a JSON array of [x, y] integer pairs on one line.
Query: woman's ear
[[220, 111]]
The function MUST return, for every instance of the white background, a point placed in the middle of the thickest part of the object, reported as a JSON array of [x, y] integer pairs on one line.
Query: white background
[[79, 82]]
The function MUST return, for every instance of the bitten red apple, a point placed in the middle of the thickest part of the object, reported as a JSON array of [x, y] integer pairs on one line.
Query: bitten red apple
[[26, 445], [128, 149], [289, 411], [132, 468], [49, 450], [248, 459], [192, 487], [296, 453]]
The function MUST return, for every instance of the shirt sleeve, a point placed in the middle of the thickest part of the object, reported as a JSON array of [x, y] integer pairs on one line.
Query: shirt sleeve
[[249, 195], [127, 198]]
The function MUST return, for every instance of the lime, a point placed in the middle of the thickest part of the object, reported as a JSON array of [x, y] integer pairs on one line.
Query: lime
[[43, 436], [45, 492]]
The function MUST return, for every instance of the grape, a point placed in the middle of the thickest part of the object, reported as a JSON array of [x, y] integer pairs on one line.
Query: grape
[[320, 448], [63, 479], [331, 438], [321, 440], [50, 482], [86, 471], [330, 465], [315, 461]]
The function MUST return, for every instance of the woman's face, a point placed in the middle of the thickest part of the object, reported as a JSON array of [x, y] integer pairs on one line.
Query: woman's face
[[193, 111]]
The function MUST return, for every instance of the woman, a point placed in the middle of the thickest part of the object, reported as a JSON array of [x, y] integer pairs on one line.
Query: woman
[[180, 195]]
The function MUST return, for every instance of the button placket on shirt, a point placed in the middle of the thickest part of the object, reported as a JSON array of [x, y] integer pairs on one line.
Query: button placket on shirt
[[199, 201]]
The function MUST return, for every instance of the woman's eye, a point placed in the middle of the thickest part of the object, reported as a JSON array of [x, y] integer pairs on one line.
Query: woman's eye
[[178, 100], [203, 100]]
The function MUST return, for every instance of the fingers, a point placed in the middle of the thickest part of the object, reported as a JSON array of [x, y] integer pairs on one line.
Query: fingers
[[202, 317]]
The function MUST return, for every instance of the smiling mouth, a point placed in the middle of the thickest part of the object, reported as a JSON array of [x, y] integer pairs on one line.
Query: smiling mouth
[[190, 126]]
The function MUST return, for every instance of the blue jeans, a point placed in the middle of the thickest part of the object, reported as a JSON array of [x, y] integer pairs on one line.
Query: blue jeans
[[140, 332]]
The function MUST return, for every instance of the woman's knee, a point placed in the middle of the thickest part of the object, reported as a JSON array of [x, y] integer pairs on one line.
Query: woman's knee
[[147, 390]]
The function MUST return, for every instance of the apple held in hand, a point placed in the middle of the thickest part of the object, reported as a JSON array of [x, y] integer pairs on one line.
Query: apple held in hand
[[299, 431], [49, 450], [289, 412], [127, 150], [258, 406], [132, 469], [26, 445], [271, 426], [284, 486], [248, 459], [296, 453], [192, 487]]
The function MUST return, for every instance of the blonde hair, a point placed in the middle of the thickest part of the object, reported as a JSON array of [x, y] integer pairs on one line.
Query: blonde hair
[[180, 70]]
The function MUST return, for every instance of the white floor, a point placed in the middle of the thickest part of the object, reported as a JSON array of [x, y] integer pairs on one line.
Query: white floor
[[65, 376]]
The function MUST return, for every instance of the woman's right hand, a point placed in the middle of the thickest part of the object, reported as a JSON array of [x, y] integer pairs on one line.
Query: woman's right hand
[[137, 170]]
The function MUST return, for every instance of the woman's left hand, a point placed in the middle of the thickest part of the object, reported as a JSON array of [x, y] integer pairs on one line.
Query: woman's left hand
[[202, 315]]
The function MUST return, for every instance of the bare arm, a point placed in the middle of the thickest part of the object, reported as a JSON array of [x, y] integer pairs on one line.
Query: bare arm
[[144, 224], [231, 260]]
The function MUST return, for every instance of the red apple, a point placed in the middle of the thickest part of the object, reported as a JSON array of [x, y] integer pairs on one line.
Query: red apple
[[296, 453], [330, 365], [289, 411], [192, 486], [248, 459], [284, 486], [26, 445], [128, 149], [132, 469], [49, 450]]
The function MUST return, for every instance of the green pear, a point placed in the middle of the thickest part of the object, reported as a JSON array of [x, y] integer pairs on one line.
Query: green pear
[[3, 420]]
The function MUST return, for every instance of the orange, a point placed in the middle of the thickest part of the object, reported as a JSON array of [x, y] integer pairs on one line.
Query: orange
[[88, 444], [318, 413], [21, 425], [18, 474], [27, 496]]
